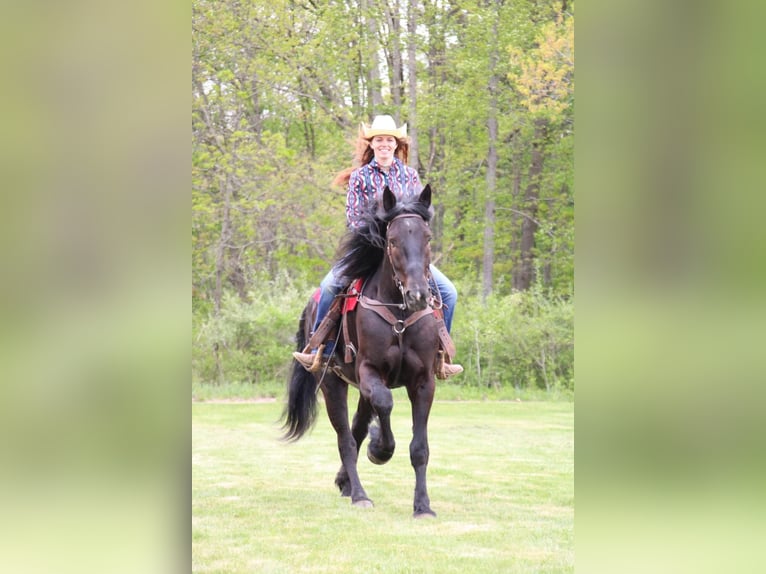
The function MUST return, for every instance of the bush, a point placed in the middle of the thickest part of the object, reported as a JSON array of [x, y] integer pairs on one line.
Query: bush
[[524, 340], [248, 342]]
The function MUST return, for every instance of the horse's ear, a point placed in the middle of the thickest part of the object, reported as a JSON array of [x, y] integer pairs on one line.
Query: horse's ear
[[425, 196], [389, 199]]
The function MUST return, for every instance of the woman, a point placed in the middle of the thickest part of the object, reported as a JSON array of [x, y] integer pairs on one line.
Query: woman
[[381, 153]]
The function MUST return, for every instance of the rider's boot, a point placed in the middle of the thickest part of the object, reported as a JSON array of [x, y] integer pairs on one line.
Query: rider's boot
[[443, 368], [312, 358]]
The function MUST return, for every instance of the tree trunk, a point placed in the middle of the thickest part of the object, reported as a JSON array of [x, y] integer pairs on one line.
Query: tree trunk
[[220, 267], [256, 123], [489, 202], [525, 275], [354, 72], [236, 273], [374, 94], [516, 160], [224, 241], [412, 85], [436, 80], [308, 126], [394, 28]]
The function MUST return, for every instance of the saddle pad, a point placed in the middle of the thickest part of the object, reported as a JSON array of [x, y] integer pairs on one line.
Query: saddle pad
[[349, 303]]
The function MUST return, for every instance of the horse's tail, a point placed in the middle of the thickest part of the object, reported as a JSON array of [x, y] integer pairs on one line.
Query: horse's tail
[[301, 410]]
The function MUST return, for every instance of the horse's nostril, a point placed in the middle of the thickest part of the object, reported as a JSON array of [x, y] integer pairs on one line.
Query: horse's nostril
[[416, 300]]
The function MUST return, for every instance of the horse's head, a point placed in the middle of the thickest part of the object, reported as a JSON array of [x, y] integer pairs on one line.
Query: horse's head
[[408, 246]]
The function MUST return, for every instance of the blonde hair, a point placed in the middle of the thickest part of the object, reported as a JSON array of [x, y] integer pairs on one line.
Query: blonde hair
[[364, 154]]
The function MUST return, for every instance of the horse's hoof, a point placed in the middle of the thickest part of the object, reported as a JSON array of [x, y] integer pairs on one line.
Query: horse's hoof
[[425, 514], [363, 503], [378, 456]]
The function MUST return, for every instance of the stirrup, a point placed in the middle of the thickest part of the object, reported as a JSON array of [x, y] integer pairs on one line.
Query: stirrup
[[304, 359]]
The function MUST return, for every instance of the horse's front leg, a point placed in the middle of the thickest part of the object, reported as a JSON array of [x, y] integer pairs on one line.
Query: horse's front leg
[[359, 432], [381, 446], [336, 396], [421, 397]]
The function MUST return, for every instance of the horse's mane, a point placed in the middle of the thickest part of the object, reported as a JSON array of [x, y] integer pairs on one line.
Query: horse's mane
[[361, 249]]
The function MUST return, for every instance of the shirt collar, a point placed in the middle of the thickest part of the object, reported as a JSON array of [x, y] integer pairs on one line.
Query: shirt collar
[[394, 165]]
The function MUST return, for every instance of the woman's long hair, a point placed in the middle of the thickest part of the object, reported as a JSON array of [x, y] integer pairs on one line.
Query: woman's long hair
[[363, 154]]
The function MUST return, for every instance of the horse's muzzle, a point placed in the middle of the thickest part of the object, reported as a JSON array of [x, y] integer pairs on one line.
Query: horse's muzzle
[[415, 300]]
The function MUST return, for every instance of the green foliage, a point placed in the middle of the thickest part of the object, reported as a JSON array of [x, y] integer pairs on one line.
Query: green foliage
[[522, 340], [248, 342], [278, 91], [544, 76]]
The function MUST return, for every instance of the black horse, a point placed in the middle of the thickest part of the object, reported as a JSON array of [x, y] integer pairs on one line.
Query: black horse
[[394, 334]]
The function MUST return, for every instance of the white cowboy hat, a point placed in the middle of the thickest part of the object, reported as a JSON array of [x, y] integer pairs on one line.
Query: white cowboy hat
[[384, 126]]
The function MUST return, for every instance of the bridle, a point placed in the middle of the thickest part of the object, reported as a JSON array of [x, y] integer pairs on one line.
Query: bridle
[[399, 325], [397, 280]]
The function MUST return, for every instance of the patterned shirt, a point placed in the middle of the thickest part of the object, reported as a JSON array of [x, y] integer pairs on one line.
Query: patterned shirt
[[368, 182]]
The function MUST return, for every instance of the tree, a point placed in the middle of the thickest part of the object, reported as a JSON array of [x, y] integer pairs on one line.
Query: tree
[[278, 92], [488, 261], [412, 82], [544, 78], [279, 89]]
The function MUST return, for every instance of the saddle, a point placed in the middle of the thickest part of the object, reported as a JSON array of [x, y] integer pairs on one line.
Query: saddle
[[348, 297], [346, 302]]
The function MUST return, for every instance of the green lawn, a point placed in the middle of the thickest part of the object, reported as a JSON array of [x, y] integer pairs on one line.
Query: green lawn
[[501, 479]]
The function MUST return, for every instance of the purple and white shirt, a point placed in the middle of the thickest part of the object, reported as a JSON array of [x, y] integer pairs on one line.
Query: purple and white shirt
[[368, 182]]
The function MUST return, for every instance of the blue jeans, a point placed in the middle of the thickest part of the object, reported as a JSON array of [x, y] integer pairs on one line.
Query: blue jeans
[[330, 288], [448, 294]]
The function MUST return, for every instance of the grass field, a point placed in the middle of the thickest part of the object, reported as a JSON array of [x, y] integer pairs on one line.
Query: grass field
[[501, 479]]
